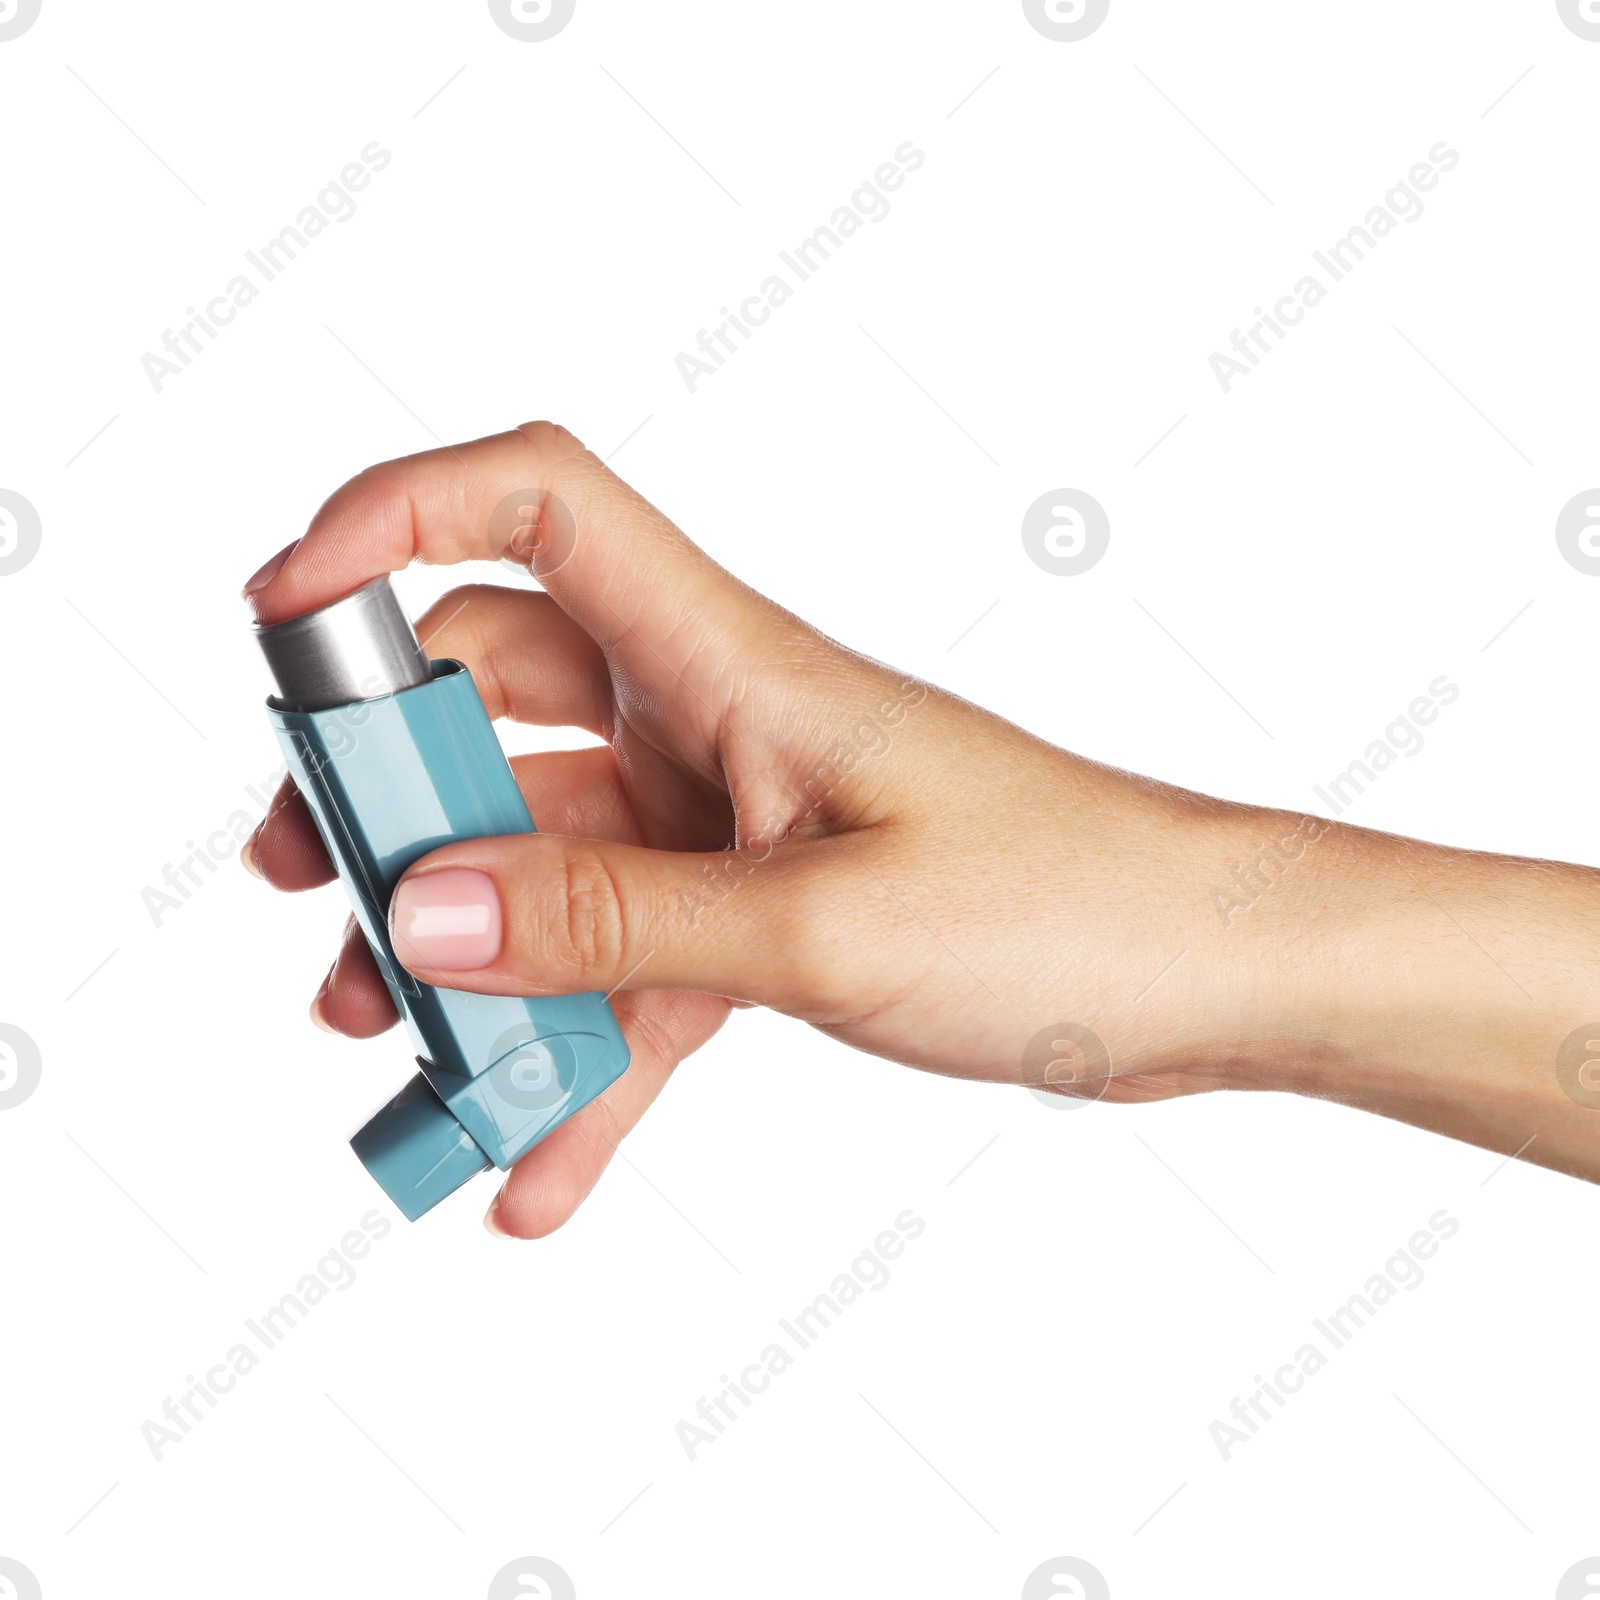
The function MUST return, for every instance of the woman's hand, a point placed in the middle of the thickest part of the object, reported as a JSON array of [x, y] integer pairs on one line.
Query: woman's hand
[[779, 821]]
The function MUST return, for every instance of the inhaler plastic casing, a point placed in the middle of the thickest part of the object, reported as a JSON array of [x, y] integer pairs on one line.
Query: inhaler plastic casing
[[407, 762]]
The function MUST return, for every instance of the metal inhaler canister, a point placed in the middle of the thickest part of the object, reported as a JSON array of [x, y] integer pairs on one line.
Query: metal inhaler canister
[[396, 756]]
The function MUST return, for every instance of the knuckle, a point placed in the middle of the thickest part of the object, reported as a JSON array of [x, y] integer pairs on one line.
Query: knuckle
[[600, 1128], [550, 439], [587, 927]]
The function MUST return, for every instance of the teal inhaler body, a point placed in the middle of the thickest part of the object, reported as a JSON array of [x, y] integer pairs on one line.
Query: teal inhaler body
[[388, 777]]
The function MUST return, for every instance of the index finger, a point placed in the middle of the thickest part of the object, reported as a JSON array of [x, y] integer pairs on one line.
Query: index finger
[[606, 555]]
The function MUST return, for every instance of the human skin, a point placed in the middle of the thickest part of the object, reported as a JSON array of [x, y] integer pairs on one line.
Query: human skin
[[772, 821]]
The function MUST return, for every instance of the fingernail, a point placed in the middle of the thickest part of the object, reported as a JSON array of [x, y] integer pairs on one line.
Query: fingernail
[[447, 920], [317, 1015], [270, 571], [491, 1220], [248, 855]]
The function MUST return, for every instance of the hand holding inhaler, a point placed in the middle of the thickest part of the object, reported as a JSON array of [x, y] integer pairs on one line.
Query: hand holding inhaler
[[775, 820]]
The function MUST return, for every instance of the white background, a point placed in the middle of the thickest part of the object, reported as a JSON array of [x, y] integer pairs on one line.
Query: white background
[[1369, 509]]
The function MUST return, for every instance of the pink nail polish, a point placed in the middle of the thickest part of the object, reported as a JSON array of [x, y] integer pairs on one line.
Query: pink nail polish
[[270, 571], [447, 920]]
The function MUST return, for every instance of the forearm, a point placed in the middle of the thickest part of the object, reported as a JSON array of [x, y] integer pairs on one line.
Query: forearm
[[1439, 987]]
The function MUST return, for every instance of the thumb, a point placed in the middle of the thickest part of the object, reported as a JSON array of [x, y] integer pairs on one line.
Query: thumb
[[540, 914]]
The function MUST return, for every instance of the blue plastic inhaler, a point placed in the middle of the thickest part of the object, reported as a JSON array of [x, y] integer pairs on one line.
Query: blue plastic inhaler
[[396, 756]]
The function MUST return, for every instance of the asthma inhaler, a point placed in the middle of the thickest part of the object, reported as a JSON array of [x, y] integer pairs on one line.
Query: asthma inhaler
[[396, 756]]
